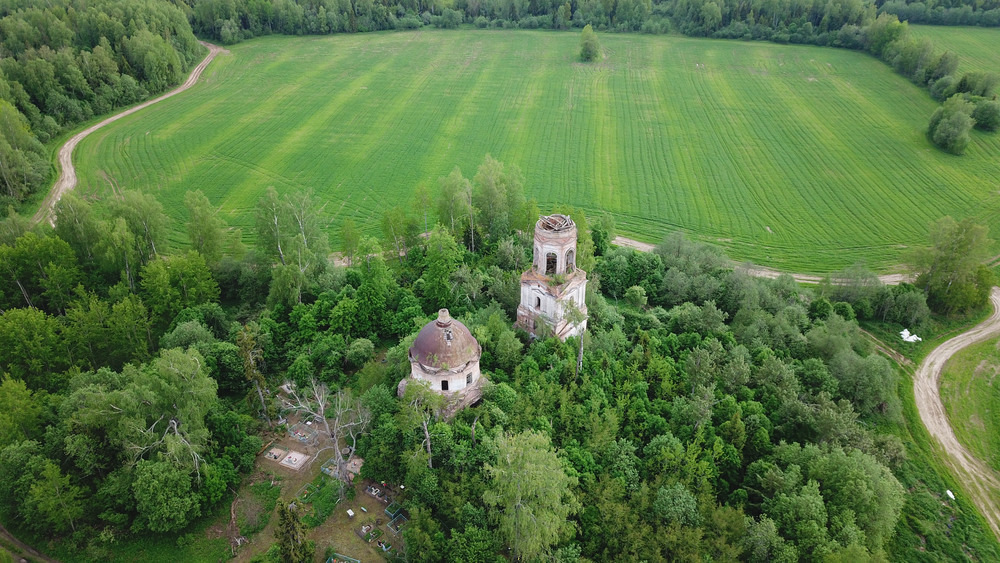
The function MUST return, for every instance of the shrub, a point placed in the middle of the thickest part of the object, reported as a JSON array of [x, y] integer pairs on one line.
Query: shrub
[[589, 47], [950, 125], [987, 115]]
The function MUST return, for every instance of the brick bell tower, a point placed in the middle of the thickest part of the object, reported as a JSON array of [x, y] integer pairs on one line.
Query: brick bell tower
[[553, 283]]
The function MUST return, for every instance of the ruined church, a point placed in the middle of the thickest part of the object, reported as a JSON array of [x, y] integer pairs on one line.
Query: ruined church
[[553, 286]]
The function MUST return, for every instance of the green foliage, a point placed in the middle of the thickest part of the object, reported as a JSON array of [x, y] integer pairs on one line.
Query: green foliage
[[987, 115], [676, 504], [33, 350], [950, 125], [590, 48], [164, 497], [359, 352], [952, 272], [205, 228], [528, 492], [323, 502], [440, 260], [23, 166], [636, 296], [265, 495], [20, 412], [290, 535]]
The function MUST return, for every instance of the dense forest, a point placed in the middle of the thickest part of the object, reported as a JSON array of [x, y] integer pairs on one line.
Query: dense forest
[[714, 414]]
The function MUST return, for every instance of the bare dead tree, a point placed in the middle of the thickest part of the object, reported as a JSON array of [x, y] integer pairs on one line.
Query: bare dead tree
[[350, 419]]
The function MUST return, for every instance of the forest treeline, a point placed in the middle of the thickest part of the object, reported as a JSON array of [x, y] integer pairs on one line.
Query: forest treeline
[[714, 414], [65, 61], [962, 12]]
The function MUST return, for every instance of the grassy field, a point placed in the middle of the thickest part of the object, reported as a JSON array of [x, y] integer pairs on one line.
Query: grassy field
[[801, 158], [971, 397], [978, 48]]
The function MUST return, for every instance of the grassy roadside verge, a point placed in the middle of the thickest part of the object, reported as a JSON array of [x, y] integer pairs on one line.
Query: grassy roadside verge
[[972, 401], [932, 527]]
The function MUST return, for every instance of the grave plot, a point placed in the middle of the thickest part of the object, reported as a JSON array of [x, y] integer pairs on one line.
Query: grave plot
[[276, 454], [303, 433], [295, 460]]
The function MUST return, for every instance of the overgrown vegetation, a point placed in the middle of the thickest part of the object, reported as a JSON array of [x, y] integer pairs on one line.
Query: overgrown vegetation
[[590, 48], [715, 413]]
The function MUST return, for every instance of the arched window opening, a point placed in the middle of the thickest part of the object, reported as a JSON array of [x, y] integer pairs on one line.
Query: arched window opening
[[538, 302], [444, 385], [550, 263], [570, 260]]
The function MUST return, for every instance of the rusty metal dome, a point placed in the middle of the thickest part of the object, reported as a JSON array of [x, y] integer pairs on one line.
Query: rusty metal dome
[[445, 343]]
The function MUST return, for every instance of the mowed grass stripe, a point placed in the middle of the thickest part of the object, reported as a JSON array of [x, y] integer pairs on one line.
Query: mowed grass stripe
[[838, 168]]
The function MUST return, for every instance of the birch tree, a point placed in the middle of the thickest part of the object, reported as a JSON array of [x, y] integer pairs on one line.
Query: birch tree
[[528, 493]]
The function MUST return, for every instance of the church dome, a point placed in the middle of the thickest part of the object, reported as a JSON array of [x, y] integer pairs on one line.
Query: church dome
[[445, 344]]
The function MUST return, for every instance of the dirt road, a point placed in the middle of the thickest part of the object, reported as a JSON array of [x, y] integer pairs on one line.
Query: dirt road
[[979, 480], [67, 178], [760, 271], [26, 550]]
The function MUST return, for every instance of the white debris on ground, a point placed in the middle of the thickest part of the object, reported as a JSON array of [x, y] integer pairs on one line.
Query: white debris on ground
[[950, 494], [907, 337]]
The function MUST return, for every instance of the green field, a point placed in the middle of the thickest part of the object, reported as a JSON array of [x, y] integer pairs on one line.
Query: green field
[[971, 396], [978, 48], [801, 158]]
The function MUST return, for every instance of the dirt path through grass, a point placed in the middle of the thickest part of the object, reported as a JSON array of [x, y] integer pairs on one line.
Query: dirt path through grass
[[979, 480], [26, 549], [761, 271], [67, 178]]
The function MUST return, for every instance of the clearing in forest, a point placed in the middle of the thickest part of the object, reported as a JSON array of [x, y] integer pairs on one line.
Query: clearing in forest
[[799, 158]]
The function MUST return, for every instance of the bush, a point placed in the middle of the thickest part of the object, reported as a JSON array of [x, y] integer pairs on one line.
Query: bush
[[943, 88], [987, 115], [409, 21], [950, 125], [359, 352], [590, 49]]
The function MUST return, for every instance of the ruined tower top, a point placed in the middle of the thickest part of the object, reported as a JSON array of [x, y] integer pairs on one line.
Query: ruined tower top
[[555, 245]]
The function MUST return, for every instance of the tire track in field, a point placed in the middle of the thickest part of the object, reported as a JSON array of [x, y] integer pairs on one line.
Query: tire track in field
[[761, 271], [67, 177]]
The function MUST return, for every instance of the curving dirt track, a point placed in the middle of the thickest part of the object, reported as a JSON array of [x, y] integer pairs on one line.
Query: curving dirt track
[[26, 550], [980, 480], [67, 178], [760, 271]]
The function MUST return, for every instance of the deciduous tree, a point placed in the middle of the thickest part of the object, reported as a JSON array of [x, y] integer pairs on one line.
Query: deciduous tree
[[590, 49], [952, 272], [528, 493]]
